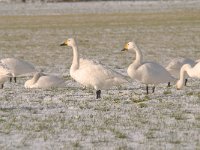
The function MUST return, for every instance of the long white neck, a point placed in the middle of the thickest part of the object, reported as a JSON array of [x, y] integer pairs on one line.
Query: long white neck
[[138, 59], [185, 69], [31, 82], [35, 78], [75, 61]]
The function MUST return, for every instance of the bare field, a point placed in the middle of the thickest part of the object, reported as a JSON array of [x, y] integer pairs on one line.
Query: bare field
[[125, 118]]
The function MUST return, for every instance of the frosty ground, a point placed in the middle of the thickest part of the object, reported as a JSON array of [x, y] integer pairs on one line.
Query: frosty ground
[[125, 117]]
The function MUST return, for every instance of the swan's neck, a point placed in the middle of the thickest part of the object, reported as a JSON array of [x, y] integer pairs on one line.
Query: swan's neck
[[185, 69], [138, 59], [75, 61], [34, 79]]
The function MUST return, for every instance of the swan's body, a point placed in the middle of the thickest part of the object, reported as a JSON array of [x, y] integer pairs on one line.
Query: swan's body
[[175, 65], [146, 72], [193, 72], [18, 67], [4, 75], [40, 80], [90, 73]]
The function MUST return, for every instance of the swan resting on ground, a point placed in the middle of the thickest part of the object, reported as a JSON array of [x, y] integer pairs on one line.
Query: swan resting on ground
[[4, 75], [193, 72], [17, 67], [146, 72], [175, 65], [92, 74], [40, 80]]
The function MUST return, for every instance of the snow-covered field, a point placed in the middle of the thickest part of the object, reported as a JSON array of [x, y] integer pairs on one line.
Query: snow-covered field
[[125, 117]]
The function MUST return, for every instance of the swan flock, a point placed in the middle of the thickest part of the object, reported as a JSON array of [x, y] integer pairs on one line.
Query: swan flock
[[93, 74]]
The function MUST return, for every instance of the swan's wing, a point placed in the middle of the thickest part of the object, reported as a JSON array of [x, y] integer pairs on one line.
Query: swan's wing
[[100, 73], [154, 73], [174, 65], [17, 66], [50, 81], [102, 70], [94, 74], [189, 61], [177, 63]]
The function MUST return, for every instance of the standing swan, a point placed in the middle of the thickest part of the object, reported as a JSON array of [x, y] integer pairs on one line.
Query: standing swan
[[90, 73], [192, 72], [146, 72], [41, 80], [17, 67], [175, 65]]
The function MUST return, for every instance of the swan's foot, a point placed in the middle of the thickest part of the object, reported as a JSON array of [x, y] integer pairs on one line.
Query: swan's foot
[[168, 84], [1, 86], [147, 89], [15, 79], [153, 89], [98, 93], [186, 80], [10, 79]]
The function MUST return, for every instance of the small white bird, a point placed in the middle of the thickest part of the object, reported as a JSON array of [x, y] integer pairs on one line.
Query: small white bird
[[146, 72], [4, 75], [193, 72], [175, 65], [90, 73], [18, 67], [40, 80]]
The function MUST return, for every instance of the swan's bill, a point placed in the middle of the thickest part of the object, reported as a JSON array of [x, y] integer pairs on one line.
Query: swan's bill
[[64, 44], [125, 47]]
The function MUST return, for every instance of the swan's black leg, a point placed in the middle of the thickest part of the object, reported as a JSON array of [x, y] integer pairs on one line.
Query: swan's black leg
[[153, 89], [2, 86], [168, 84], [15, 79], [10, 79], [186, 80], [98, 93], [147, 88]]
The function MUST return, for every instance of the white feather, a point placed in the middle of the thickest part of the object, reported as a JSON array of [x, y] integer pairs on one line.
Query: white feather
[[146, 72], [18, 67], [175, 65], [92, 74], [187, 69], [4, 75], [40, 80]]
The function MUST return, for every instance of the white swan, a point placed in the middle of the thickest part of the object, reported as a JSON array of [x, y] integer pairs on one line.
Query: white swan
[[17, 67], [146, 72], [41, 80], [193, 72], [4, 75], [90, 73], [175, 65]]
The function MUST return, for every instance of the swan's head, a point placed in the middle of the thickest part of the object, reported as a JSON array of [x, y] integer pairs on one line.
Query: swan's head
[[129, 46], [179, 85], [69, 42]]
